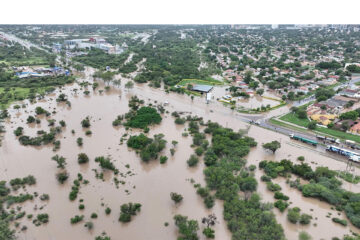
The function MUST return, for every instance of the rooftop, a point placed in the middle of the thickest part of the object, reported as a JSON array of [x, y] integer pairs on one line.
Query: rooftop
[[202, 88]]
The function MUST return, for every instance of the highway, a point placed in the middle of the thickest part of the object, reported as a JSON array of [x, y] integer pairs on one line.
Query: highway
[[22, 42]]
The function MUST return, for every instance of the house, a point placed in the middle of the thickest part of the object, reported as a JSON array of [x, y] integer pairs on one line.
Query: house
[[328, 82], [334, 103], [339, 123], [302, 89], [250, 92], [313, 87], [345, 99], [348, 93], [355, 128], [323, 119]]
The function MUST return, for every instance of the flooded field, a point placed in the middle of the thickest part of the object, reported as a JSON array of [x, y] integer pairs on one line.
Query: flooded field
[[149, 184], [325, 228]]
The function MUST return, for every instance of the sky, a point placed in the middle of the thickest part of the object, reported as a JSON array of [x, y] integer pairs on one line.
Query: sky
[[179, 12]]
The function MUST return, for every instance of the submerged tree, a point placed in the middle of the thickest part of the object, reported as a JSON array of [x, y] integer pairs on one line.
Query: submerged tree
[[187, 228], [272, 146], [177, 198], [129, 85], [61, 162]]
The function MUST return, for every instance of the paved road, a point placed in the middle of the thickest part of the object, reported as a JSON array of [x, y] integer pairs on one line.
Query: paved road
[[23, 42]]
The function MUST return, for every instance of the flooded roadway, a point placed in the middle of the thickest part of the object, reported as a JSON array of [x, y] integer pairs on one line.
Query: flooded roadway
[[152, 183]]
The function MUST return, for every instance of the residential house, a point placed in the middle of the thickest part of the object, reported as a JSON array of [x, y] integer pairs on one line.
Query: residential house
[[349, 93], [345, 99], [355, 129], [323, 119], [328, 82]]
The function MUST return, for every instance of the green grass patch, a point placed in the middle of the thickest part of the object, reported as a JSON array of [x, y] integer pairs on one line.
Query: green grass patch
[[292, 118], [17, 94], [33, 61], [338, 134], [208, 81], [282, 124]]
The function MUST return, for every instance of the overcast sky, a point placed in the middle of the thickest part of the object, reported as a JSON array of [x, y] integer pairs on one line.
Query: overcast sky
[[179, 11]]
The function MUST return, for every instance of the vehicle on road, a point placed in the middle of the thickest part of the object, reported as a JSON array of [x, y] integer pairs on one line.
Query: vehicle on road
[[324, 138], [304, 140], [257, 122], [350, 143], [320, 137], [353, 156]]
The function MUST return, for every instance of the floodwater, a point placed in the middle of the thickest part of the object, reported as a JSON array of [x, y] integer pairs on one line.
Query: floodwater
[[324, 228], [151, 183]]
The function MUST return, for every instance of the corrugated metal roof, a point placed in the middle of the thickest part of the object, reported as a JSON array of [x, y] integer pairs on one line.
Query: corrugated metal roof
[[202, 88]]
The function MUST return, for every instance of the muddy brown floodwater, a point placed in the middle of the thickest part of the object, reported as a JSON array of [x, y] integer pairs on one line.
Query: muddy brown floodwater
[[151, 183]]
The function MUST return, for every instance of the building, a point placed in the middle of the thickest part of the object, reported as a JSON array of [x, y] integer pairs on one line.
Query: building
[[202, 88], [349, 93], [355, 129], [56, 48], [328, 82], [99, 43], [345, 99], [323, 119], [302, 89], [30, 74]]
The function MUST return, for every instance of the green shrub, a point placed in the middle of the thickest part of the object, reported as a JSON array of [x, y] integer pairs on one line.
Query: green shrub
[[209, 233], [30, 119], [89, 225], [177, 198], [305, 219], [340, 221], [107, 211], [180, 121], [304, 236], [62, 177], [18, 131], [163, 159], [43, 218], [128, 210], [273, 186], [199, 151], [280, 195], [281, 205], [144, 117], [252, 167], [293, 215], [193, 161], [79, 141], [265, 178], [187, 228], [83, 158], [85, 123], [76, 219]]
